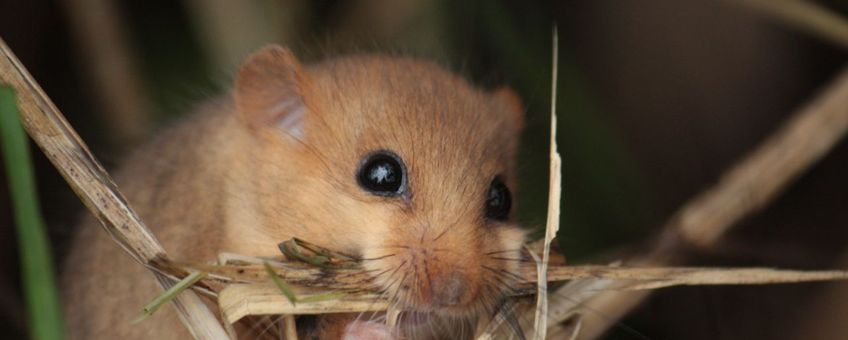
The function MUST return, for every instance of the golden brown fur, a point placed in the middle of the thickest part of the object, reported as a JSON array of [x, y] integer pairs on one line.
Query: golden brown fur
[[235, 178]]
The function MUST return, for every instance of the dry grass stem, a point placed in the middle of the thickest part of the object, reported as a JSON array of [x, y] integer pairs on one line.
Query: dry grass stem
[[750, 184], [358, 280], [46, 125], [653, 278], [554, 192], [248, 290], [239, 300], [290, 327], [805, 15]]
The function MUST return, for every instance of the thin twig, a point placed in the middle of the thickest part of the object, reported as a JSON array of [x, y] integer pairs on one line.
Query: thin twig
[[758, 178]]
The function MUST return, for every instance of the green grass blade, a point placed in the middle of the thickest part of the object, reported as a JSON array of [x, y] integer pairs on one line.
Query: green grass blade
[[284, 288], [42, 300], [169, 295]]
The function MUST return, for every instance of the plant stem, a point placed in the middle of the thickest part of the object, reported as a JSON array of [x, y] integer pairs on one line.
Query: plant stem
[[42, 300]]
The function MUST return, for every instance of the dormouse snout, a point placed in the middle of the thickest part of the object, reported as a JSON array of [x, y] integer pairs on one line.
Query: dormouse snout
[[448, 290], [436, 278]]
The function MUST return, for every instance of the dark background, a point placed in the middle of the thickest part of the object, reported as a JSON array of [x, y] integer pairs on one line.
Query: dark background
[[656, 99]]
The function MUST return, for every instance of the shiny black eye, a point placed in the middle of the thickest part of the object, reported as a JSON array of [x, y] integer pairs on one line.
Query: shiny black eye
[[498, 201], [382, 173]]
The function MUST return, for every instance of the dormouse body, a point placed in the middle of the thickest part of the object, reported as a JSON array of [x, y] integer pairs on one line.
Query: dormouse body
[[393, 160]]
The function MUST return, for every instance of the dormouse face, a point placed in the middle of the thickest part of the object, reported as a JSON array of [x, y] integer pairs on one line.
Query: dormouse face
[[393, 160]]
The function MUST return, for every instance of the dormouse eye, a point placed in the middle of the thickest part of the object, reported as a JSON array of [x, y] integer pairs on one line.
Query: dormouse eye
[[498, 201], [382, 173]]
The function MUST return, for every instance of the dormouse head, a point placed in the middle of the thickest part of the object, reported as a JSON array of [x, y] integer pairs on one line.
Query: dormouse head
[[394, 160]]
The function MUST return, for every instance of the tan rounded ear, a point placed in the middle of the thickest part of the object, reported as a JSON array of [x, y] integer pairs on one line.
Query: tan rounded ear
[[512, 104], [270, 90]]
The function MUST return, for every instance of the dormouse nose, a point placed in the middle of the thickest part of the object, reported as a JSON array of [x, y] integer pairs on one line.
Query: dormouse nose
[[450, 289]]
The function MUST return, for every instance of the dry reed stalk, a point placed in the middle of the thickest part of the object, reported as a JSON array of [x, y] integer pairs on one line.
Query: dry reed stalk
[[239, 300], [749, 185], [554, 197], [359, 280], [46, 125], [290, 327], [245, 289]]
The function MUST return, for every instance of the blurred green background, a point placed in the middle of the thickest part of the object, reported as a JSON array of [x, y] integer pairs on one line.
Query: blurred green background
[[656, 99]]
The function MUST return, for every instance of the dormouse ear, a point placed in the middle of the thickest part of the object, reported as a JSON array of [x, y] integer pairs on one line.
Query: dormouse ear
[[511, 103], [270, 90]]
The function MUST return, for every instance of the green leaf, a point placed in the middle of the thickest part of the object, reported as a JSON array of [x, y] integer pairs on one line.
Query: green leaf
[[42, 300]]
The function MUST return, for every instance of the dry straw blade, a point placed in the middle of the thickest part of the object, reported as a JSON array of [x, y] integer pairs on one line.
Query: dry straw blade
[[554, 194], [358, 280], [652, 278], [239, 300], [248, 293], [69, 154]]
